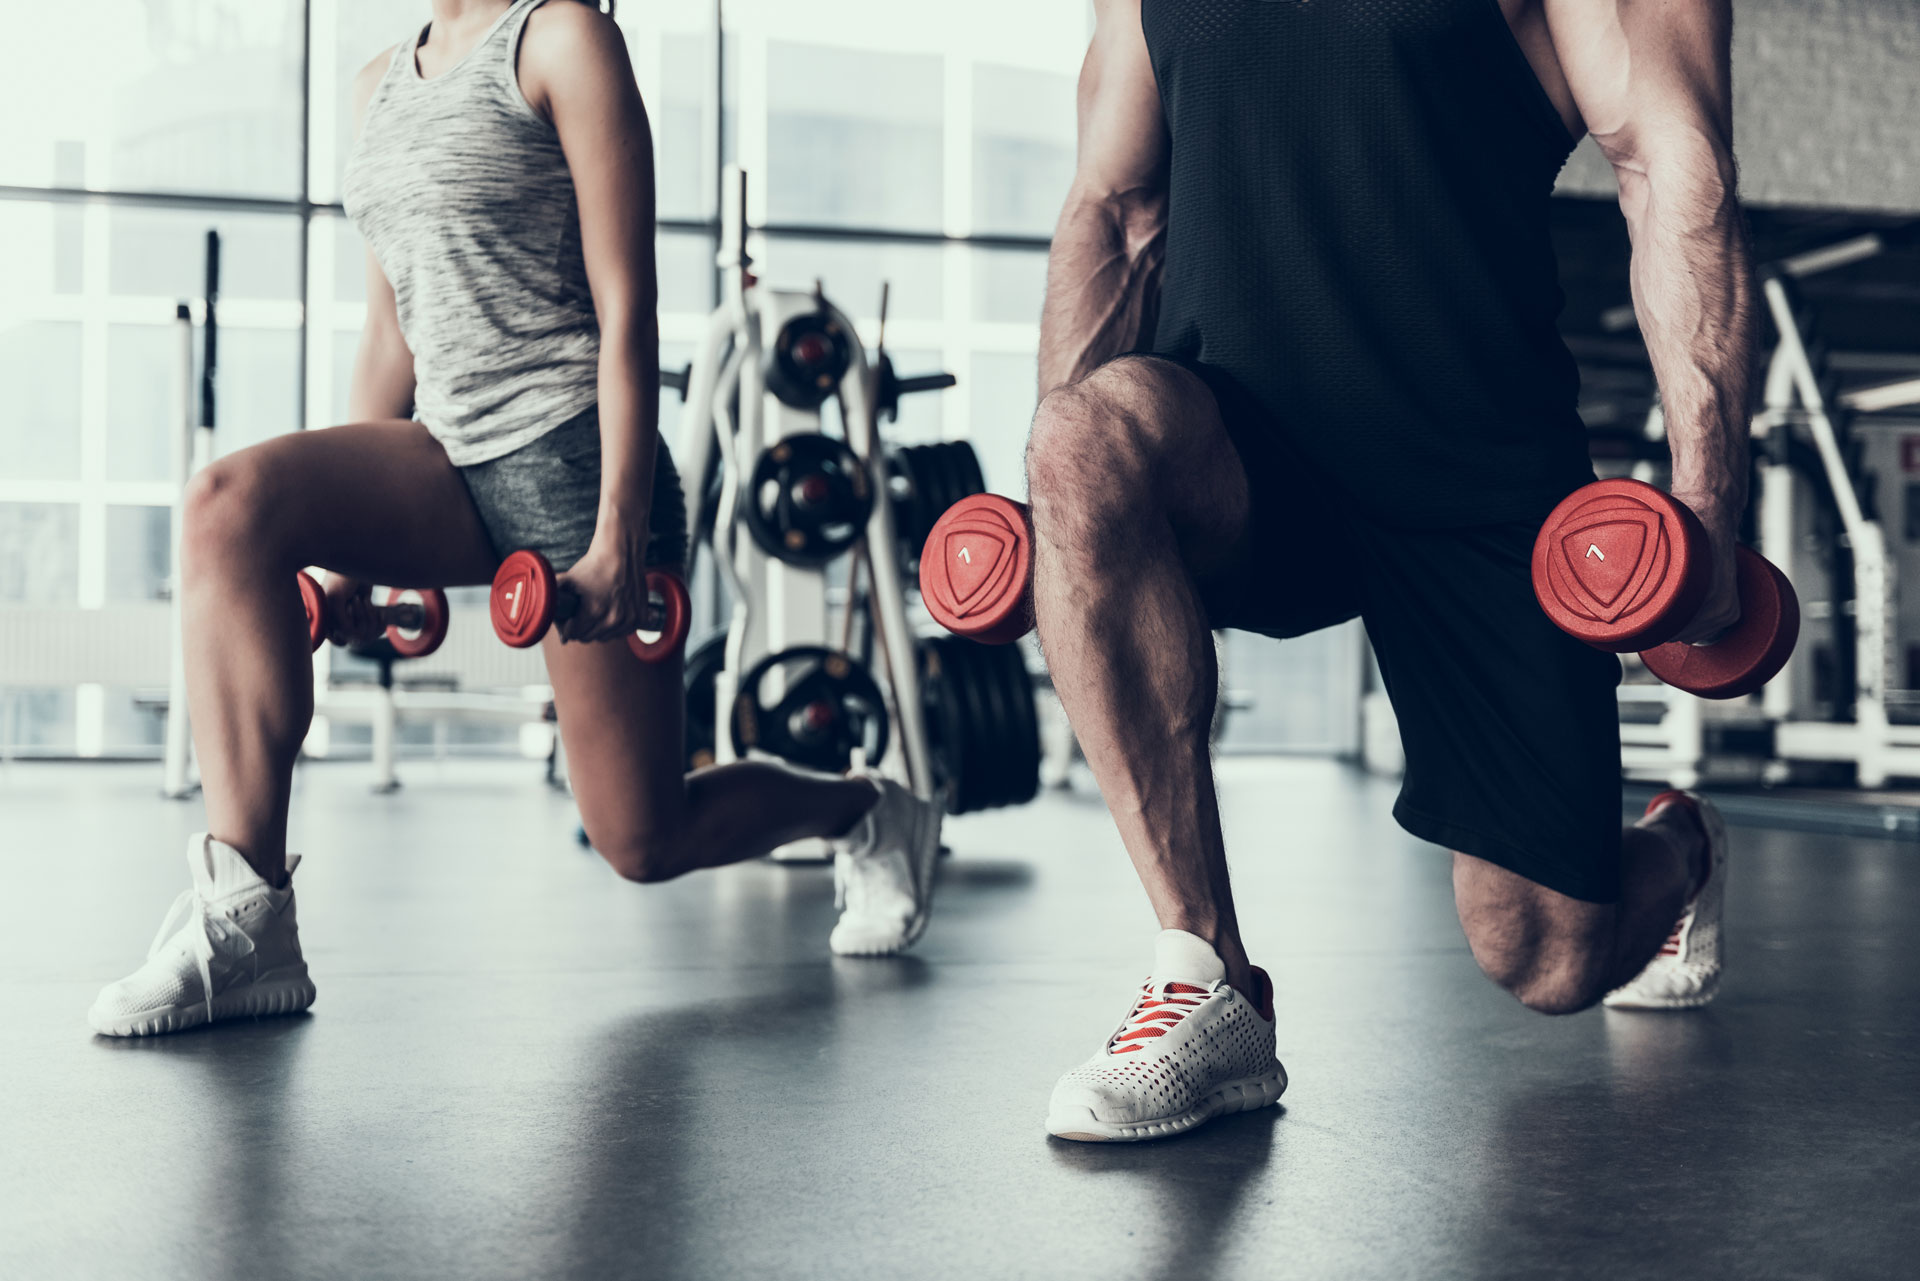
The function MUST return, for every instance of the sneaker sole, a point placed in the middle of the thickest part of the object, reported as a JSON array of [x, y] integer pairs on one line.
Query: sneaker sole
[[1250, 1095], [1692, 1002], [262, 999]]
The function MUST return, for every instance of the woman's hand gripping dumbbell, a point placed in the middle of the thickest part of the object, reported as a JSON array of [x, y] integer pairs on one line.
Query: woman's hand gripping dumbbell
[[415, 620], [528, 597], [1624, 567]]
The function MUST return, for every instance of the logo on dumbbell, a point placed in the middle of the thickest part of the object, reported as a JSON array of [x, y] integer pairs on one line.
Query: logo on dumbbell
[[1593, 549]]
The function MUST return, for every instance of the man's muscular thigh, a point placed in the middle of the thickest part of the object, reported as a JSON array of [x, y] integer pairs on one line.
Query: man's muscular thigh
[[1141, 436]]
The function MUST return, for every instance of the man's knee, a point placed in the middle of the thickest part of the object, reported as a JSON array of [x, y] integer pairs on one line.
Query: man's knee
[[1548, 981], [1549, 950], [1097, 443]]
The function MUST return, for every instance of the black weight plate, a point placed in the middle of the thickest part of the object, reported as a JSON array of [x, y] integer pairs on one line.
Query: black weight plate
[[808, 499], [808, 358], [996, 727], [967, 465], [704, 664], [1020, 750], [814, 673], [940, 483], [909, 510], [942, 715], [977, 766]]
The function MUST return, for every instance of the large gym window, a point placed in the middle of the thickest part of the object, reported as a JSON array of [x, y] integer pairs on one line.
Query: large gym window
[[883, 144]]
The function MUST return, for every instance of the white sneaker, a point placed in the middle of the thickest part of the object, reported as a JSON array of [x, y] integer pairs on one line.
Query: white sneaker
[[1190, 1049], [883, 873], [228, 948], [1685, 973]]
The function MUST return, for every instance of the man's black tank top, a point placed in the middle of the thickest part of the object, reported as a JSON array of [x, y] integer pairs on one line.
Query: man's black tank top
[[1358, 235]]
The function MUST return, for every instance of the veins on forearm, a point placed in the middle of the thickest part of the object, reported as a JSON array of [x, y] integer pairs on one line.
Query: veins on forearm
[[1693, 295], [1103, 285]]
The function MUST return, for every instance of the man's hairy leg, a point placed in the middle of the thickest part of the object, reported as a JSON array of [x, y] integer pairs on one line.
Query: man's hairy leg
[[1136, 489]]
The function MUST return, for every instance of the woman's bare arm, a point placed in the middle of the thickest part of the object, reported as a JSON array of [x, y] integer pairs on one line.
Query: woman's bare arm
[[382, 385], [574, 70]]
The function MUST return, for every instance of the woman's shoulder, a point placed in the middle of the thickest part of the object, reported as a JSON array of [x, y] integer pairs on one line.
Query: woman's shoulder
[[368, 79], [575, 41]]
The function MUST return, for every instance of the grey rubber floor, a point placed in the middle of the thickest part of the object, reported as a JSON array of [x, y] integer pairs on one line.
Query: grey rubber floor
[[520, 1066]]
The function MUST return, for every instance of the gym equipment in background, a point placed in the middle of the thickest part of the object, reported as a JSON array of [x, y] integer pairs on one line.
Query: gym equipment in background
[[808, 499], [811, 706], [811, 652]]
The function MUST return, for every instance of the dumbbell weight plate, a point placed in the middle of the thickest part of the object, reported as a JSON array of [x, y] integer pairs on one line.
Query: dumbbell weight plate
[[522, 601], [418, 642], [1621, 565], [668, 595], [1748, 656], [976, 568], [313, 599]]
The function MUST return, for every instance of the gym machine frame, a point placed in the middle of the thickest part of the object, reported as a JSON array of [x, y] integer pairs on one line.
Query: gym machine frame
[[1798, 399], [730, 413], [1800, 415]]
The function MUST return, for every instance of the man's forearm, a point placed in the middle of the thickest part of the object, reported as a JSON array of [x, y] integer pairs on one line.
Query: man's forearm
[[1103, 283], [1693, 296]]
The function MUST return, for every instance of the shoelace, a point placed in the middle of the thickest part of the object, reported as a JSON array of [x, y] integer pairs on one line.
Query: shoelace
[[215, 934], [1157, 1010]]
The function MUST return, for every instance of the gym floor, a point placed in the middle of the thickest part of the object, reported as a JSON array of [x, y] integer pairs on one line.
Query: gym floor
[[520, 1066]]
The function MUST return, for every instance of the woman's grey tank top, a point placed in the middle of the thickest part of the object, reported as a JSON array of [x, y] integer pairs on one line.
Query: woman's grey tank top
[[463, 193]]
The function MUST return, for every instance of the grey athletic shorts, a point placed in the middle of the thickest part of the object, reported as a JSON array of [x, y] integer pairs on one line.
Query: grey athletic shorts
[[546, 496]]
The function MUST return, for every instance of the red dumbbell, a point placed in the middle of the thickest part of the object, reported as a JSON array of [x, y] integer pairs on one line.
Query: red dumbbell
[[527, 598], [976, 570], [1623, 566], [415, 619]]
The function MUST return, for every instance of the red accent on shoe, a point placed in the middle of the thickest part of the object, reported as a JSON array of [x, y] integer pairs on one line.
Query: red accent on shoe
[[1153, 1014]]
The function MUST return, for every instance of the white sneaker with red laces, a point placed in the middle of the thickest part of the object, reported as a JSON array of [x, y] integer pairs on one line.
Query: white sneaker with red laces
[[1685, 973], [1190, 1049]]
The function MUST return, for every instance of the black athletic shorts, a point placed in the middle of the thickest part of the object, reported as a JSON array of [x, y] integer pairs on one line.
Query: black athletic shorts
[[1511, 727]]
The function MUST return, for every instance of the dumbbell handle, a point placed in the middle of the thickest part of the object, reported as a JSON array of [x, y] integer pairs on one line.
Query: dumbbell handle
[[653, 615], [407, 615]]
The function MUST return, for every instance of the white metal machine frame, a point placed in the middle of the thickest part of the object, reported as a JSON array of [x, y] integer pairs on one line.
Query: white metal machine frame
[[729, 411]]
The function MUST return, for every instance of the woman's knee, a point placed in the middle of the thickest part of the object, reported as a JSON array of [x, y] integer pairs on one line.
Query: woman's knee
[[645, 855], [227, 504]]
